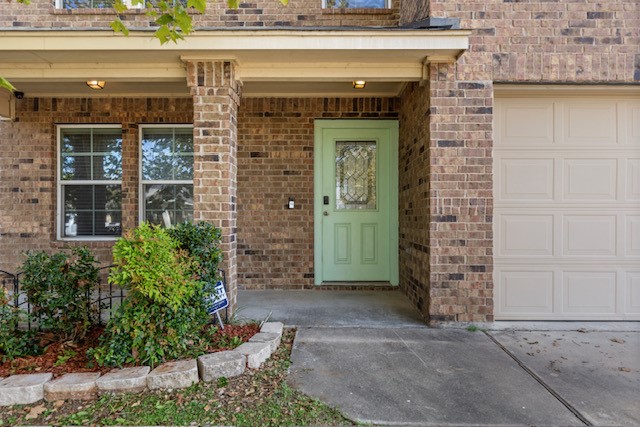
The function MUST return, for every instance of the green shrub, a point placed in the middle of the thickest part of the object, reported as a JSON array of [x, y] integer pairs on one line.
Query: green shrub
[[59, 288], [164, 313], [202, 242], [14, 342], [149, 261]]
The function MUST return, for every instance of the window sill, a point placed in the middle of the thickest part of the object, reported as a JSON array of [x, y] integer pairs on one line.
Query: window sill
[[88, 239], [358, 11], [95, 11]]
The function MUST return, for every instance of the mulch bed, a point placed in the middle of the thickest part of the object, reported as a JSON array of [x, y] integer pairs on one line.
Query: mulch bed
[[56, 353]]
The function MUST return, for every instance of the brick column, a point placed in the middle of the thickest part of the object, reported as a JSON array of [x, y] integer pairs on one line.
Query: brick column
[[461, 196], [216, 95]]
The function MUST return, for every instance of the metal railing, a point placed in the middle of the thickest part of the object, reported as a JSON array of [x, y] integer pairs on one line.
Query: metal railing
[[102, 300]]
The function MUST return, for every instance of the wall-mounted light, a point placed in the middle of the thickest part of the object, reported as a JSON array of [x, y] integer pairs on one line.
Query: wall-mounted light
[[359, 84], [96, 84]]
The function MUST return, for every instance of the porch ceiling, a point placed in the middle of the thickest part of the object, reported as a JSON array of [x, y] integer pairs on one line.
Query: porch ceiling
[[271, 62]]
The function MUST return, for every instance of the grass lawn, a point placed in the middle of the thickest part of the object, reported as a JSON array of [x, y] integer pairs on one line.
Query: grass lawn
[[256, 398]]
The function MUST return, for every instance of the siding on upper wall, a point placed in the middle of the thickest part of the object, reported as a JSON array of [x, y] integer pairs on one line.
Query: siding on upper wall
[[251, 14], [275, 162], [28, 172]]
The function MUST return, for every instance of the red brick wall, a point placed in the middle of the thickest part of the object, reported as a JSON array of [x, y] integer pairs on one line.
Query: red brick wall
[[275, 162], [413, 198], [28, 171], [559, 41], [253, 13]]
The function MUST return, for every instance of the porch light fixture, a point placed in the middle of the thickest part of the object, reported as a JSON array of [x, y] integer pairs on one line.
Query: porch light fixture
[[359, 84], [96, 84]]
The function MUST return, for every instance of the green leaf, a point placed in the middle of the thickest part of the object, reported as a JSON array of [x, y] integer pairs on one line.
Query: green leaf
[[285, 2], [199, 5], [4, 83], [233, 4], [183, 20], [165, 19], [118, 26], [163, 34], [119, 6]]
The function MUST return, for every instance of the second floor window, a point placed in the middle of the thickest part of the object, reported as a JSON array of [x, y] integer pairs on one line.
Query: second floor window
[[86, 4], [104, 4], [350, 4]]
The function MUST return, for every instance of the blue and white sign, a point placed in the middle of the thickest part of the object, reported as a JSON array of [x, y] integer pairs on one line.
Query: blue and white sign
[[217, 300]]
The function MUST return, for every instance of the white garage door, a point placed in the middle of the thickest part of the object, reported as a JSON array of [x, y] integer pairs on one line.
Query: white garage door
[[567, 208]]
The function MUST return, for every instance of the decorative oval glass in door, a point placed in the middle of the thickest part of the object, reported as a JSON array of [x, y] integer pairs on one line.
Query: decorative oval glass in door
[[356, 175]]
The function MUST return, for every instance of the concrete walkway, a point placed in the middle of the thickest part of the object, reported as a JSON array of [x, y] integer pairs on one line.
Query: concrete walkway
[[369, 354], [411, 376]]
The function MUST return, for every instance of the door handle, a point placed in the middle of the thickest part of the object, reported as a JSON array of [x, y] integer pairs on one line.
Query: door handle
[[325, 213]]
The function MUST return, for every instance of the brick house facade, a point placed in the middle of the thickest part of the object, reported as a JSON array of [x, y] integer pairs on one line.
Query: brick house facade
[[253, 116]]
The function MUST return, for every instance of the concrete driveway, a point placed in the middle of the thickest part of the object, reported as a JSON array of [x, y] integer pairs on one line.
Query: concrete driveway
[[423, 376]]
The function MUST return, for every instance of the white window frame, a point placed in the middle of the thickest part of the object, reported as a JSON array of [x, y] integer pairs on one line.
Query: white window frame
[[143, 182], [128, 3], [59, 181], [387, 5]]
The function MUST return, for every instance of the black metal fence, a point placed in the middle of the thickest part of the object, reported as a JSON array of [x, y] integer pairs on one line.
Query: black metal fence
[[103, 300]]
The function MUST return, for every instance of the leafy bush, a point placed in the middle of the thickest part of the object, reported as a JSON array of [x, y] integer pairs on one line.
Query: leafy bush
[[59, 288], [164, 313], [202, 242], [149, 261], [13, 341]]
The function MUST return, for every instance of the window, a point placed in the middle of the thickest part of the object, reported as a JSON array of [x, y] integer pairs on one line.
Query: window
[[349, 4], [105, 4], [89, 181], [166, 169], [85, 4]]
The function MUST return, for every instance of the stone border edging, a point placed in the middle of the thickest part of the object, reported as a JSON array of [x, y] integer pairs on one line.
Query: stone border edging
[[24, 389]]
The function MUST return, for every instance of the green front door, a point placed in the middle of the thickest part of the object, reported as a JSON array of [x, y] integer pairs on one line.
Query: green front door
[[356, 201]]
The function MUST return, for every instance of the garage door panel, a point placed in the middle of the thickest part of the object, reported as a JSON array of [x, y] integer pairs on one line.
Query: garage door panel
[[633, 180], [567, 208], [590, 179], [528, 292], [592, 124], [633, 292], [525, 235], [525, 123], [632, 236], [634, 123], [588, 292], [589, 235], [526, 179]]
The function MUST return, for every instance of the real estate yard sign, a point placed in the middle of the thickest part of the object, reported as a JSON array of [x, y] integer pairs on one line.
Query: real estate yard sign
[[217, 301]]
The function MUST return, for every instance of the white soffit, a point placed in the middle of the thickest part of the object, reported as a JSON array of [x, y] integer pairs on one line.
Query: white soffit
[[265, 55]]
